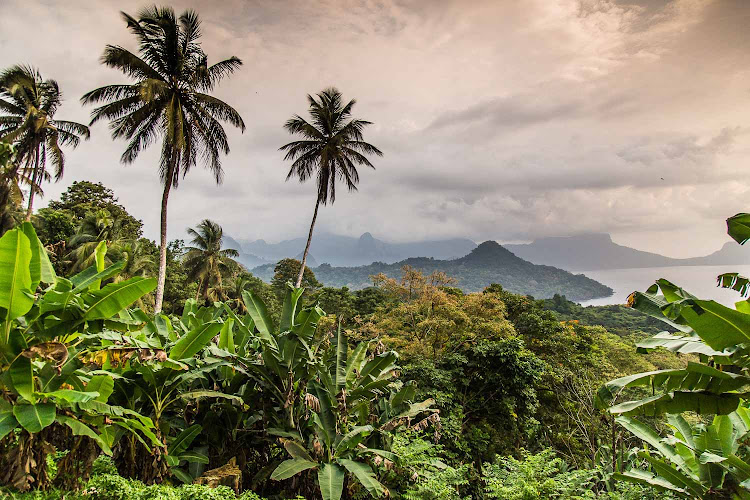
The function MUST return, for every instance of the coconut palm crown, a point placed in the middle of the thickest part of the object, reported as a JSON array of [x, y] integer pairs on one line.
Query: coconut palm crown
[[169, 101], [206, 260]]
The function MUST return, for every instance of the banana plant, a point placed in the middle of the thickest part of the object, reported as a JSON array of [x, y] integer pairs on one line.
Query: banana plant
[[694, 461], [43, 344], [704, 460], [159, 370], [354, 404], [179, 453], [281, 359]]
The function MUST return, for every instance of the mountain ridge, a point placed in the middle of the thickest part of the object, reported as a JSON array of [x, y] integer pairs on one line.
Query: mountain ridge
[[486, 264], [597, 251], [350, 251]]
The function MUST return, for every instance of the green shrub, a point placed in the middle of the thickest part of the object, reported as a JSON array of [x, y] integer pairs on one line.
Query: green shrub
[[536, 476], [103, 465], [546, 476], [113, 487]]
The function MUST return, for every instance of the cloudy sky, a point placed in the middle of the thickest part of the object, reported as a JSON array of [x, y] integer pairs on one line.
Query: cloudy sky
[[500, 119]]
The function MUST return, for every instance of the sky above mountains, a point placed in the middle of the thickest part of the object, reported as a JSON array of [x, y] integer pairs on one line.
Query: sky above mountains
[[499, 119]]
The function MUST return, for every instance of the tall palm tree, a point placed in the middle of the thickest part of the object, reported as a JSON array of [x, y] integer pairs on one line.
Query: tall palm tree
[[169, 101], [30, 104], [205, 260], [331, 148]]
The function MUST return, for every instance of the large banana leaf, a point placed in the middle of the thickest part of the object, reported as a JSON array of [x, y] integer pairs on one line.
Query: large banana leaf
[[190, 344], [352, 438], [364, 475], [204, 393], [40, 267], [655, 305], [676, 402], [719, 326], [673, 475], [22, 376], [115, 297], [331, 481], [680, 343], [80, 429], [648, 435], [296, 449], [307, 322], [226, 336], [83, 280], [342, 349], [8, 421], [378, 366], [355, 362], [183, 440], [35, 417], [102, 384], [695, 377], [738, 227], [289, 468], [734, 281], [257, 310], [16, 293], [289, 308]]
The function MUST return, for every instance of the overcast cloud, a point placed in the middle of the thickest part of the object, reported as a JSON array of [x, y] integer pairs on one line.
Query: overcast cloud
[[499, 119]]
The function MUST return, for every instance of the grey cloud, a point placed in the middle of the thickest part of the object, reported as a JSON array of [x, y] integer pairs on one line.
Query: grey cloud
[[514, 111], [499, 119]]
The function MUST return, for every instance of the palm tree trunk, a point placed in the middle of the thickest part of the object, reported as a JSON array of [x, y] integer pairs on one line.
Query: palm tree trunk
[[307, 247], [163, 243], [198, 293], [33, 185]]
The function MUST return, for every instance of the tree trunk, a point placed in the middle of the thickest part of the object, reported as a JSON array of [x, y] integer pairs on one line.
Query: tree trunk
[[163, 247], [198, 293], [307, 247], [33, 185]]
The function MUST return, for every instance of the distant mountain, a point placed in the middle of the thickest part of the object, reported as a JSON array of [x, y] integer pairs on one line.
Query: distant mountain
[[730, 253], [486, 264], [348, 251], [246, 259], [586, 253], [597, 251]]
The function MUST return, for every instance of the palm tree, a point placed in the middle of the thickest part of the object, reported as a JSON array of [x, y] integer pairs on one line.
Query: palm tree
[[94, 228], [205, 260], [30, 104], [331, 148], [169, 100]]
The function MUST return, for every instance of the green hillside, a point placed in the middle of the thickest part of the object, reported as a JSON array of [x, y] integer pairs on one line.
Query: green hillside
[[488, 263]]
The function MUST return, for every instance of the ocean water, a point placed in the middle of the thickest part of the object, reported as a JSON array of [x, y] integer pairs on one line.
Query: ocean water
[[698, 280]]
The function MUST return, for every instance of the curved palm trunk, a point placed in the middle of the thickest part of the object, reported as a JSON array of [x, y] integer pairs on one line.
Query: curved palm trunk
[[163, 246], [307, 247], [30, 209]]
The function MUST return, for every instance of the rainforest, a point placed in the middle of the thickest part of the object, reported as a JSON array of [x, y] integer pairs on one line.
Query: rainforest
[[170, 369]]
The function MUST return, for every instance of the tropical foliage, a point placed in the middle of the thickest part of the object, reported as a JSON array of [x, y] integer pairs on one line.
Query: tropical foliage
[[45, 341], [135, 370], [705, 461]]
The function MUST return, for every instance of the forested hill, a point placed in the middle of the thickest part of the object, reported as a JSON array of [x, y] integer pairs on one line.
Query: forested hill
[[486, 264]]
